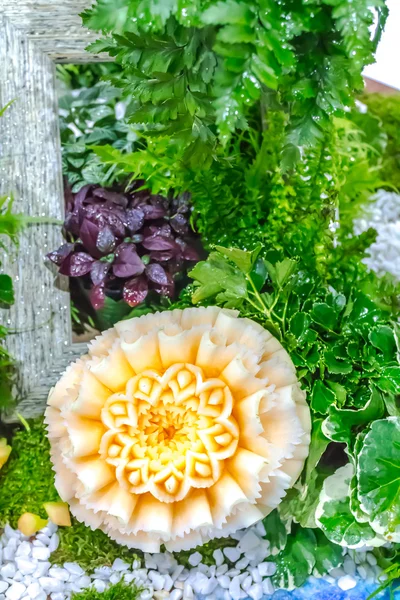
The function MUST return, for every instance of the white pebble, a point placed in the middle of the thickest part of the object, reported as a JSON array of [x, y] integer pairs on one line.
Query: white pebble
[[41, 537], [157, 580], [371, 559], [255, 575], [120, 565], [24, 549], [234, 588], [176, 595], [50, 585], [59, 573], [259, 527], [15, 591], [347, 582], [224, 581], [221, 569], [8, 553], [115, 578], [25, 566], [232, 554], [40, 553], [218, 557], [247, 583], [256, 591], [194, 559], [57, 596], [33, 590], [267, 587], [177, 572], [3, 586], [150, 561], [54, 542], [83, 581], [249, 540], [188, 592], [10, 532], [242, 563], [349, 566], [362, 571], [266, 569], [8, 571], [99, 585], [41, 569], [209, 587], [73, 568], [168, 583]]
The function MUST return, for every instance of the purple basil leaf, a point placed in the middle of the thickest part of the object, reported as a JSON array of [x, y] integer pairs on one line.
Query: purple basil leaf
[[188, 252], [58, 256], [135, 291], [77, 264], [153, 212], [157, 274], [160, 228], [162, 256], [134, 219], [167, 289], [88, 233], [160, 243], [99, 271], [72, 222], [127, 262], [105, 240], [82, 195], [97, 296], [180, 224], [114, 197]]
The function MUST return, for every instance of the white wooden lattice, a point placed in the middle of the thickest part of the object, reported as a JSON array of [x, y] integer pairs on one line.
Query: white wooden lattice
[[34, 35]]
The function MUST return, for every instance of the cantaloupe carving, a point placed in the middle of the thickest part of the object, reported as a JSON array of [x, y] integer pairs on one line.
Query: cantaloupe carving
[[178, 427], [58, 513], [5, 452], [29, 523]]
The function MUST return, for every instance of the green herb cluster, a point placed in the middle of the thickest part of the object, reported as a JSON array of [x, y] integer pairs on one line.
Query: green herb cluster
[[197, 69], [117, 591]]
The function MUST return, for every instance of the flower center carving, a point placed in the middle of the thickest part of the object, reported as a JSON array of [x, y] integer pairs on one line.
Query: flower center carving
[[169, 432]]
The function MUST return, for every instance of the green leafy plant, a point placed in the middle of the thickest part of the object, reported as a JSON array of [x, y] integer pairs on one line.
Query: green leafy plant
[[196, 69], [117, 591]]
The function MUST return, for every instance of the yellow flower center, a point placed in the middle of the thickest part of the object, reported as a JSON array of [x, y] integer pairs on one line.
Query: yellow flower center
[[169, 432]]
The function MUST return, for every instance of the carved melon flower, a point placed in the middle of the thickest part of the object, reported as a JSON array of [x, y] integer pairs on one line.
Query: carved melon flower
[[178, 427]]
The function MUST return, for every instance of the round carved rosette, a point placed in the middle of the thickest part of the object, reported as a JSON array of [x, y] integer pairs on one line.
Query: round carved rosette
[[178, 427]]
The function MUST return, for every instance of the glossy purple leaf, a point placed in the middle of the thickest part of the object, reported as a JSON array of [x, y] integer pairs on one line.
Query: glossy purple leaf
[[106, 241], [134, 219], [88, 233], [58, 256], [153, 212], [77, 264], [166, 289], [162, 256], [72, 223], [135, 291], [187, 252], [99, 271], [82, 195], [160, 228], [160, 243], [157, 274], [114, 197], [180, 224], [97, 296], [127, 262]]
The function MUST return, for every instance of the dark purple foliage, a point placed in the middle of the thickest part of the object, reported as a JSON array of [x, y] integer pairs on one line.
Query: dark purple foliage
[[125, 244]]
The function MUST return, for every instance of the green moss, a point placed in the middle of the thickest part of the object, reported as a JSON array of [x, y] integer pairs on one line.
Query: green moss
[[387, 108], [90, 549], [206, 551], [118, 591], [27, 480]]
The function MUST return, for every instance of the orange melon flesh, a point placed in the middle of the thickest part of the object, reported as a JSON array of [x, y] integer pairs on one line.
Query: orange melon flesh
[[58, 513], [28, 523], [4, 451]]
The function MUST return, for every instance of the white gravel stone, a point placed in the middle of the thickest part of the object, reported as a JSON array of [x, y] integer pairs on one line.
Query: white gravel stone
[[41, 569], [371, 559], [120, 565], [232, 554], [54, 542], [168, 583], [115, 577], [150, 561], [249, 540], [247, 583], [194, 559], [8, 571], [51, 585], [57, 596], [242, 563], [157, 580], [347, 582], [40, 553], [234, 588], [25, 566], [349, 566], [74, 568], [24, 549], [267, 587], [15, 591], [255, 575], [176, 572], [224, 581], [99, 585], [267, 569], [218, 557], [221, 569], [3, 586], [188, 592], [44, 539], [33, 590], [59, 573], [176, 595], [8, 553], [256, 591]]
